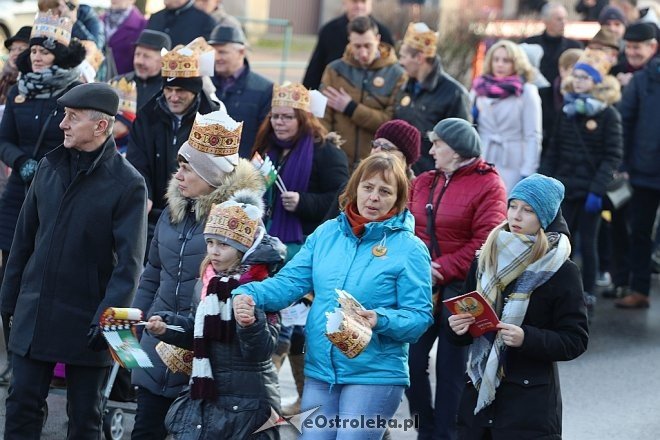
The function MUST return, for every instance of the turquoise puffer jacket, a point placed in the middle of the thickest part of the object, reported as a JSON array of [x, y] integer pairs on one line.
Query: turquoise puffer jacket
[[397, 286]]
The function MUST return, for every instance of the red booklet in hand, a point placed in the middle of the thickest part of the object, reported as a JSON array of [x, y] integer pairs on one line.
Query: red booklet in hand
[[477, 306]]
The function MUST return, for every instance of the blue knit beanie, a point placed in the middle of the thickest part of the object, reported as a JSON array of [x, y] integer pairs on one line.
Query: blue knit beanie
[[544, 194]]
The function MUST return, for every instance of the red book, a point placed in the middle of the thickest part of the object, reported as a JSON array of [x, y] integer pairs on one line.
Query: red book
[[476, 305]]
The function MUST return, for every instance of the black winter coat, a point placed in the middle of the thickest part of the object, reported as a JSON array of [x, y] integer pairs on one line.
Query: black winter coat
[[78, 250], [183, 24], [22, 123], [155, 138], [567, 160], [527, 403], [330, 46], [175, 255], [640, 107], [244, 377], [248, 100], [329, 175], [440, 97]]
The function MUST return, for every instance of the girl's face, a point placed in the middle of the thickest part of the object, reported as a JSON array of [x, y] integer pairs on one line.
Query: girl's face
[[284, 122], [502, 63], [191, 185], [582, 83], [223, 256], [375, 197], [41, 58], [522, 218]]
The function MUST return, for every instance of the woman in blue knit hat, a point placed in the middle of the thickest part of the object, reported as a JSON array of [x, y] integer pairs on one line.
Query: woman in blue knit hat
[[524, 272]]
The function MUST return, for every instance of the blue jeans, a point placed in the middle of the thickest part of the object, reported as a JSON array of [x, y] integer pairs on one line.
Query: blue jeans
[[346, 404]]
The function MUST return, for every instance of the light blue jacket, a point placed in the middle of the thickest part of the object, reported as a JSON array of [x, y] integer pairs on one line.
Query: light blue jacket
[[397, 286]]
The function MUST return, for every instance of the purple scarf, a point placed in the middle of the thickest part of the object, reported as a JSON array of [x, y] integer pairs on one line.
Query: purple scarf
[[488, 85], [295, 170]]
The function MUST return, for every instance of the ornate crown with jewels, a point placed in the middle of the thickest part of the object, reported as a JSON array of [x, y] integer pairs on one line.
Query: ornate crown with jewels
[[214, 138], [52, 27], [291, 95], [230, 220], [420, 37], [127, 92], [188, 61]]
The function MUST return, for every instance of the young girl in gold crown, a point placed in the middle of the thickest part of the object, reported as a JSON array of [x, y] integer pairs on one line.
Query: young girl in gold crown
[[233, 384]]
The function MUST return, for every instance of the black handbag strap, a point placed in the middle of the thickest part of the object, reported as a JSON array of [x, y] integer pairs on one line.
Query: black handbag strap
[[584, 146], [42, 133], [431, 211]]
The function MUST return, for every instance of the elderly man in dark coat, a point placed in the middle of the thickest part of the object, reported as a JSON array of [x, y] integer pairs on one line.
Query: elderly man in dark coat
[[78, 250]]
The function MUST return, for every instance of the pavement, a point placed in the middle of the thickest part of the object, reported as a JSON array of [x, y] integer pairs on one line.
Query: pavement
[[610, 392]]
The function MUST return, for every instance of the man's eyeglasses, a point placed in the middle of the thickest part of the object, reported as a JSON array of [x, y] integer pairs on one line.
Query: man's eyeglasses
[[383, 145], [285, 118]]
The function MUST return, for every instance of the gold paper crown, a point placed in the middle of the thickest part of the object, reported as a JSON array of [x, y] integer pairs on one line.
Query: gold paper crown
[[291, 95], [50, 26], [596, 59], [215, 139], [178, 65], [425, 42], [127, 92], [233, 223]]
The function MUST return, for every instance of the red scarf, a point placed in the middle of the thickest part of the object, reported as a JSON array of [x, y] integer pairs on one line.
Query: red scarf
[[358, 222]]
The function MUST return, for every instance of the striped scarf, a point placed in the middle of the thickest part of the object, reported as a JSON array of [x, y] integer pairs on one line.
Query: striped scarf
[[214, 322], [485, 355], [488, 85]]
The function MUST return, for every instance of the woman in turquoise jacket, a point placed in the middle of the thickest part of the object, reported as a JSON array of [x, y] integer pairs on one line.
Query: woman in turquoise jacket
[[371, 252]]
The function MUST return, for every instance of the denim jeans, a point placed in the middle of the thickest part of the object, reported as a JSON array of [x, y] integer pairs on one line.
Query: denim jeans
[[346, 404]]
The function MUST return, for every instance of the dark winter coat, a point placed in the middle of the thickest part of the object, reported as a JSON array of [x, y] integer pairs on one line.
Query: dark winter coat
[[440, 97], [20, 128], [329, 175], [330, 46], [244, 377], [467, 207], [122, 42], [175, 256], [146, 88], [156, 136], [88, 26], [183, 24], [78, 250], [566, 158], [639, 108], [527, 403], [247, 100], [553, 47]]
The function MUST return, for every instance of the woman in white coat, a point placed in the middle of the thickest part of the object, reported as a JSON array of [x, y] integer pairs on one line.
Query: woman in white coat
[[507, 111]]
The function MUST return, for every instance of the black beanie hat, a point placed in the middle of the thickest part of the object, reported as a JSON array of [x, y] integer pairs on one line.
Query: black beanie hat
[[193, 84]]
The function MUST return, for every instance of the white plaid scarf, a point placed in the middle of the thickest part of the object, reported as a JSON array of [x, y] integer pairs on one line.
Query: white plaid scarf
[[484, 364]]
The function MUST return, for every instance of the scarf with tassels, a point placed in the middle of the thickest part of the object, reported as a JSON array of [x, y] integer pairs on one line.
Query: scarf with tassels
[[491, 87], [486, 354], [214, 322]]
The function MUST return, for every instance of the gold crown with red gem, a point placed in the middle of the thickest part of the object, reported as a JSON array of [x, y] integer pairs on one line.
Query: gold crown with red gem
[[127, 91], [232, 222], [420, 37], [291, 95], [50, 26], [186, 61], [218, 137]]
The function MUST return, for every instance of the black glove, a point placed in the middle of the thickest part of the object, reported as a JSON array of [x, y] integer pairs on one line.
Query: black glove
[[95, 339], [27, 170]]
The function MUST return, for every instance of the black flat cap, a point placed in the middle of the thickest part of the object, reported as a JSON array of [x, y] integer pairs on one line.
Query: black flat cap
[[227, 34], [154, 40], [92, 96], [23, 34], [640, 32]]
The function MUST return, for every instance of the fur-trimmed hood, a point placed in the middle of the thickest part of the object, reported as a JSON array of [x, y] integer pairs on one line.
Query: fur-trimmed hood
[[245, 176]]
